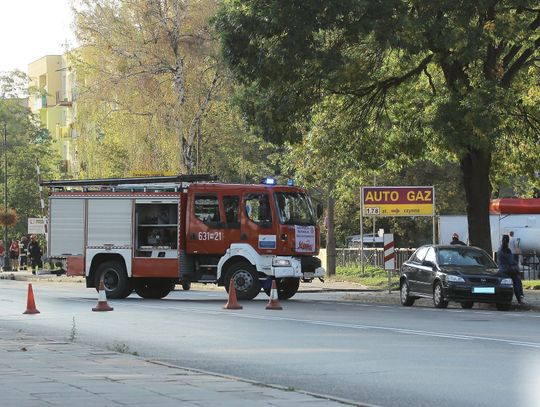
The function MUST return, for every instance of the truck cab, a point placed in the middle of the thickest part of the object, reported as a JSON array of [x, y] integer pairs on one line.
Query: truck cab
[[251, 234]]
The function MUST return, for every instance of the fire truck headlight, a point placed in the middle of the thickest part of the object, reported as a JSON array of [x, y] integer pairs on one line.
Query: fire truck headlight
[[281, 263]]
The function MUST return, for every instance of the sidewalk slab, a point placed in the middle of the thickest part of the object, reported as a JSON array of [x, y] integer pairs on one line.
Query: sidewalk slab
[[38, 372]]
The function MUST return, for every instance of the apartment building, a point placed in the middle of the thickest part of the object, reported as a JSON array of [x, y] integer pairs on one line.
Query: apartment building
[[55, 105]]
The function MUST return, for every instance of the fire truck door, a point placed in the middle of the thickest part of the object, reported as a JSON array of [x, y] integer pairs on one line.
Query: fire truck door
[[257, 224], [206, 225]]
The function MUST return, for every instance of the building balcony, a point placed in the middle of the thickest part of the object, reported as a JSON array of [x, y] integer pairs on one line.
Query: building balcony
[[62, 99]]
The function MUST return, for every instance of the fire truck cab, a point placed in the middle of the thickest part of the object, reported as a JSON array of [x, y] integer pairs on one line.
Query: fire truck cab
[[149, 234]]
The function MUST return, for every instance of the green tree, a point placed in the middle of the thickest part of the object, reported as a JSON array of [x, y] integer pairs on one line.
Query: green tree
[[153, 95], [441, 80], [27, 144], [153, 63]]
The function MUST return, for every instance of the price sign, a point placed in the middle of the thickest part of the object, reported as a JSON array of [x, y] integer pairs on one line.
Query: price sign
[[398, 201]]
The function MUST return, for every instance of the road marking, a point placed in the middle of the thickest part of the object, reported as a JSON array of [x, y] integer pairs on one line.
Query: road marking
[[345, 325]]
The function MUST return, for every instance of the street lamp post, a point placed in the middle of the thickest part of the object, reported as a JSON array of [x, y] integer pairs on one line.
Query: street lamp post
[[6, 247]]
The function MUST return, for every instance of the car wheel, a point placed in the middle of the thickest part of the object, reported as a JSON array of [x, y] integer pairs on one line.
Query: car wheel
[[114, 278], [503, 307], [438, 296], [246, 282], [467, 304], [405, 298]]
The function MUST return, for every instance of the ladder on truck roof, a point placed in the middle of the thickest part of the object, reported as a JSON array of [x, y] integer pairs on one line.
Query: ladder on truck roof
[[161, 183]]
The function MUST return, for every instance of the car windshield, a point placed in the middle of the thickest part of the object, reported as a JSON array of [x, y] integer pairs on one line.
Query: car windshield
[[294, 208], [463, 256]]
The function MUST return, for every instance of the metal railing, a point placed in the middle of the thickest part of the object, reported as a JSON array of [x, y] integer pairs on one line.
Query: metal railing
[[350, 257], [374, 256]]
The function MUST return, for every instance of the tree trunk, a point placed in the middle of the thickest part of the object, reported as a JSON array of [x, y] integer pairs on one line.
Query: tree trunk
[[330, 236], [475, 168]]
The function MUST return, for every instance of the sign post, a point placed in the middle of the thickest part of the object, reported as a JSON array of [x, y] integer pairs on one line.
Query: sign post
[[395, 201]]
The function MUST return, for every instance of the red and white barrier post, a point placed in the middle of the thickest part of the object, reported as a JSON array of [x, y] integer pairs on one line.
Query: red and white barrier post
[[389, 256]]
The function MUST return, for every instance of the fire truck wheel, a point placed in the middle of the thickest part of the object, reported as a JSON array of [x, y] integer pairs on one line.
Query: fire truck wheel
[[186, 286], [114, 278], [154, 290], [245, 279], [286, 287]]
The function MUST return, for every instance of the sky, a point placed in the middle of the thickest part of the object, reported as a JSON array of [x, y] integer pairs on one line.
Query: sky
[[31, 29]]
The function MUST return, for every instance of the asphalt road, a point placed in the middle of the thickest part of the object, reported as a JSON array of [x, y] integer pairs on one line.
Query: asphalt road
[[382, 355]]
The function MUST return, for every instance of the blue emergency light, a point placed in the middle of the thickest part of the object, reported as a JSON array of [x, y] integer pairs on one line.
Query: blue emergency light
[[269, 181]]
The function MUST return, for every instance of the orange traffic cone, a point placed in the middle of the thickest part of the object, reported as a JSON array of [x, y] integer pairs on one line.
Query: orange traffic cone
[[30, 304], [232, 303], [273, 303], [102, 299]]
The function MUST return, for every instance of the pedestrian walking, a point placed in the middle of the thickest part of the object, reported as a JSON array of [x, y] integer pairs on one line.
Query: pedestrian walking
[[23, 253], [509, 267], [455, 240], [14, 255], [34, 253]]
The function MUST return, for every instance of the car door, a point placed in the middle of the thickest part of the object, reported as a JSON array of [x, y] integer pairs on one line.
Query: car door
[[412, 269], [426, 272]]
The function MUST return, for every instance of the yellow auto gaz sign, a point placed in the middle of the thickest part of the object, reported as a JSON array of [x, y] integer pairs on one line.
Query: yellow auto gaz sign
[[398, 201]]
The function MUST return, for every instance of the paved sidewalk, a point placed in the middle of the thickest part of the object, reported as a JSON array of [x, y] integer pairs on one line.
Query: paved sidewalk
[[37, 372]]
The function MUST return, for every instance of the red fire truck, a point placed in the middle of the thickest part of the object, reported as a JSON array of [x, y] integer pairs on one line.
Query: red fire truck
[[148, 234]]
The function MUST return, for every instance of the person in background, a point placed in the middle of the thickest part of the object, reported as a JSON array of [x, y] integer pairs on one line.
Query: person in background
[[14, 255], [509, 267], [23, 253], [2, 255], [455, 240], [34, 252], [514, 246]]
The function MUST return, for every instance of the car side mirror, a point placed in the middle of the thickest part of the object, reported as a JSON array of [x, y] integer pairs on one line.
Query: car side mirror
[[428, 263]]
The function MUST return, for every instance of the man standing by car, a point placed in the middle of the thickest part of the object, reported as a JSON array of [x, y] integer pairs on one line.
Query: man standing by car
[[509, 267], [455, 240]]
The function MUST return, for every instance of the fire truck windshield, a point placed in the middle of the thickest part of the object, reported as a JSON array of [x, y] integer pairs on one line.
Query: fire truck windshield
[[294, 208]]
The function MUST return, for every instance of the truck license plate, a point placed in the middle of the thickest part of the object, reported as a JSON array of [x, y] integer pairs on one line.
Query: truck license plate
[[309, 275]]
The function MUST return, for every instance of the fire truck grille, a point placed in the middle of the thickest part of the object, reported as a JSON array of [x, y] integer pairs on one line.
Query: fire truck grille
[[309, 264]]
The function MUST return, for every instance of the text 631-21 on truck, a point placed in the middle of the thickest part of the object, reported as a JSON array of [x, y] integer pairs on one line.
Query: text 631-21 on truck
[[148, 234]]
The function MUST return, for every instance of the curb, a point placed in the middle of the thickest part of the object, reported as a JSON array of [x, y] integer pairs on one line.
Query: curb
[[371, 295]]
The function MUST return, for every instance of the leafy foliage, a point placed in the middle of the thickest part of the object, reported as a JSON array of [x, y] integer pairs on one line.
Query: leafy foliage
[[27, 144], [394, 82], [154, 95]]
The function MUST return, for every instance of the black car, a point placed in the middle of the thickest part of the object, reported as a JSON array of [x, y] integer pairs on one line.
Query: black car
[[457, 273]]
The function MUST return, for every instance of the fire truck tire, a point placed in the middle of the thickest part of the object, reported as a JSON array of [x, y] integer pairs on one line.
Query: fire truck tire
[[286, 288], [246, 281], [154, 290], [114, 278], [186, 286]]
